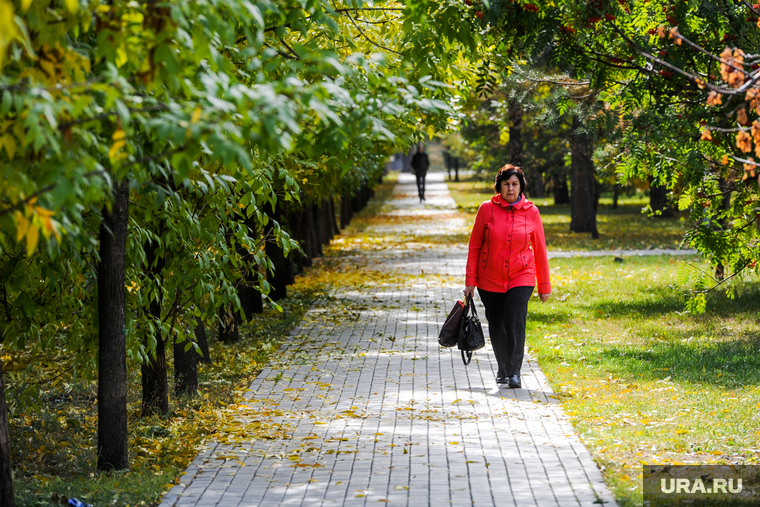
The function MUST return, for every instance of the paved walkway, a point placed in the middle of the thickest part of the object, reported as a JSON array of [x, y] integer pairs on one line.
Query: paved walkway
[[363, 406]]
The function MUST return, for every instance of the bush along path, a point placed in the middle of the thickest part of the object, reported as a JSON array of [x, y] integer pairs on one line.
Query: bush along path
[[362, 406]]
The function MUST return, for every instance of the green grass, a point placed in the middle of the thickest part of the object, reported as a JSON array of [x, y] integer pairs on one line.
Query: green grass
[[624, 228], [643, 381]]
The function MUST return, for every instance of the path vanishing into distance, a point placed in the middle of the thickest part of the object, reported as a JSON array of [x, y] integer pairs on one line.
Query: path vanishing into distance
[[361, 406]]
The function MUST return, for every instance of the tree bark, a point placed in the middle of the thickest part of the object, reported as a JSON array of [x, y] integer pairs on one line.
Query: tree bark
[[582, 199], [310, 234], [6, 473], [345, 211], [658, 200], [332, 217], [278, 280], [322, 229], [514, 146], [250, 298], [113, 439], [538, 182], [155, 384], [615, 195], [560, 190], [282, 275], [229, 324], [185, 369], [200, 339]]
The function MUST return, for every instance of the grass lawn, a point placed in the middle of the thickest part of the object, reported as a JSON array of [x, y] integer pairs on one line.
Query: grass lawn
[[624, 228], [643, 381]]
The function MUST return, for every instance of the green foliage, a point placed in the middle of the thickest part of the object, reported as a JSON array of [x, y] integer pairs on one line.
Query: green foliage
[[640, 63], [220, 116]]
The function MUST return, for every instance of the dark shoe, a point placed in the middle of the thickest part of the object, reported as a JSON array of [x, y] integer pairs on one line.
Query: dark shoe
[[502, 380], [514, 381]]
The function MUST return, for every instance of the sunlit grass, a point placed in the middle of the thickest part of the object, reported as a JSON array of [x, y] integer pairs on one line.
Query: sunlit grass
[[624, 228], [643, 381]]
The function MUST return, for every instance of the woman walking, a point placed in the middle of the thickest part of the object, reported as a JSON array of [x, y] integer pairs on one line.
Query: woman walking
[[507, 257]]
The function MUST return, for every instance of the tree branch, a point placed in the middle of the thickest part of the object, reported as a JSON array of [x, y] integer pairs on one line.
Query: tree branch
[[645, 54], [368, 39], [26, 200]]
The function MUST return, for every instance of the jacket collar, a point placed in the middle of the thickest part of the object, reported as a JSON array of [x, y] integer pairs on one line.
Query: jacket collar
[[522, 203]]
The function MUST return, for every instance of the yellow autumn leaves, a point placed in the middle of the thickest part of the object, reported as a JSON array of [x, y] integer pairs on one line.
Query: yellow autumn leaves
[[33, 220]]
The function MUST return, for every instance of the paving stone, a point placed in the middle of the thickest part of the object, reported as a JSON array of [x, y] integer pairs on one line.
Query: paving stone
[[388, 414]]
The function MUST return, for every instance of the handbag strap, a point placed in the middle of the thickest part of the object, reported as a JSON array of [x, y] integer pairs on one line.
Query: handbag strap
[[472, 304], [466, 354], [460, 336]]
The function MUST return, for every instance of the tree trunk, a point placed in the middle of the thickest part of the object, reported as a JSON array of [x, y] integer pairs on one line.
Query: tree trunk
[[229, 324], [6, 473], [250, 298], [282, 275], [185, 369], [311, 232], [278, 280], [615, 196], [658, 200], [560, 190], [514, 146], [113, 439], [250, 301], [582, 208], [200, 339], [538, 182], [345, 211], [322, 229], [331, 211], [155, 384], [725, 205]]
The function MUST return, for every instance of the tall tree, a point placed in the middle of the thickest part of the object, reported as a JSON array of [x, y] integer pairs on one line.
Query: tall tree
[[113, 439], [6, 472], [583, 201]]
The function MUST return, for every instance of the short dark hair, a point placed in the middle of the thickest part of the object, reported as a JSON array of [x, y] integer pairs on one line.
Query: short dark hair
[[507, 172]]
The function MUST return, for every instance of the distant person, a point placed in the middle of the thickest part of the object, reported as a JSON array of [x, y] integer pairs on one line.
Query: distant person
[[420, 164], [456, 168], [507, 258]]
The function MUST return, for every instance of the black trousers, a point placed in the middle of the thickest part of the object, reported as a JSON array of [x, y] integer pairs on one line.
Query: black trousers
[[507, 313], [421, 185]]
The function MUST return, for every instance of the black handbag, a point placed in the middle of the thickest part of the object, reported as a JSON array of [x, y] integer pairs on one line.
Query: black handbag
[[449, 335], [471, 336]]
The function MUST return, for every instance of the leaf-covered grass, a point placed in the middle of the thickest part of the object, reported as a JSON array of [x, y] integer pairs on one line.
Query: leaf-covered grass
[[643, 381], [624, 228], [53, 447]]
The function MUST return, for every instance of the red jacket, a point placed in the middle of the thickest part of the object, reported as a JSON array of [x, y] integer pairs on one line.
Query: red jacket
[[507, 247]]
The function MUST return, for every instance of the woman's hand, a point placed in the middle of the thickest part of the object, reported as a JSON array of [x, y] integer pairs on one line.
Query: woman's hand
[[469, 291], [544, 297]]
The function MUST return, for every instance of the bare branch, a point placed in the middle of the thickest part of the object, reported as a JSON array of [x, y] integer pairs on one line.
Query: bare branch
[[645, 54], [368, 39], [295, 55], [570, 82]]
